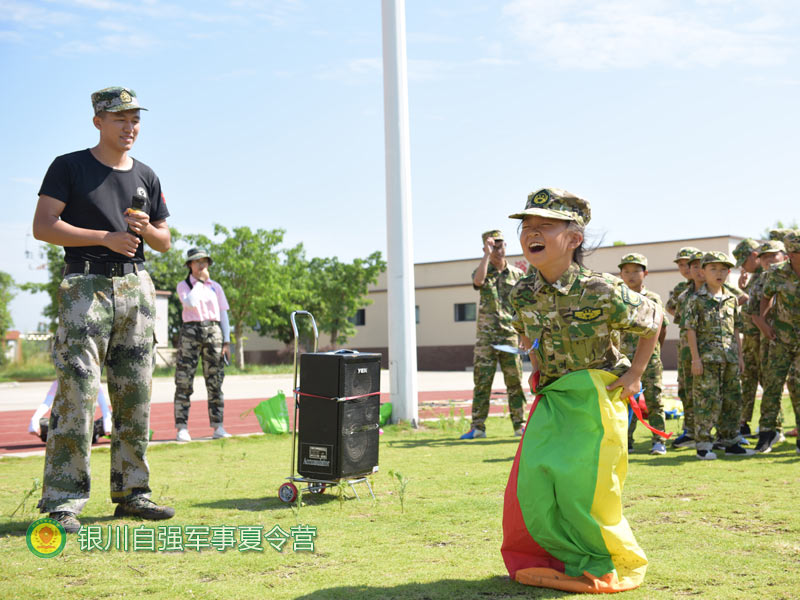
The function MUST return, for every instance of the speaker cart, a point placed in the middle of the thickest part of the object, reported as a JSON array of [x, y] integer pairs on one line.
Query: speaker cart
[[328, 415]]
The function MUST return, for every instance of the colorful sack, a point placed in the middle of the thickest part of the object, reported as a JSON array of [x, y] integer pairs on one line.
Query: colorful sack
[[272, 414], [386, 413], [562, 517]]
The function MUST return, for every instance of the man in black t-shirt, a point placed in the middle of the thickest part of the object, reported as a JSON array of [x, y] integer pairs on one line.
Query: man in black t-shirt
[[100, 204]]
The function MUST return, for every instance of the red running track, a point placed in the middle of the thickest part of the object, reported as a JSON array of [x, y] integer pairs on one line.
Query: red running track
[[14, 436]]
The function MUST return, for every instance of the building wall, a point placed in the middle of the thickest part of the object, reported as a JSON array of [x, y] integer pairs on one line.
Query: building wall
[[444, 344]]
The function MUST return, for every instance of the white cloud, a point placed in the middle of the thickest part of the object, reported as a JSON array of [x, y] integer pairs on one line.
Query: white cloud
[[607, 34]]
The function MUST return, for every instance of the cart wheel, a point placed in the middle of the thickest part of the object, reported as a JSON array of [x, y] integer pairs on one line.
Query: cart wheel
[[317, 488], [287, 493]]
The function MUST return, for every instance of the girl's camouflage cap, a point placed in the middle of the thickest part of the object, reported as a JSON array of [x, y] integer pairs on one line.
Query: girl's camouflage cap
[[633, 258], [197, 254], [717, 257], [771, 246], [686, 253], [743, 250], [554, 203], [115, 99], [792, 241]]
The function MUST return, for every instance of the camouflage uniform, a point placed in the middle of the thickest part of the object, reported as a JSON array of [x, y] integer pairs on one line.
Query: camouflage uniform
[[651, 378], [199, 339], [574, 320], [717, 393], [684, 376], [494, 327], [782, 283], [751, 337], [102, 321]]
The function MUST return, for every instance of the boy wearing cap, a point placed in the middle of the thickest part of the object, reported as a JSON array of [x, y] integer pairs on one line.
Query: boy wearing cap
[[101, 204], [633, 270], [694, 272], [712, 332], [746, 255], [205, 332], [494, 278], [781, 294]]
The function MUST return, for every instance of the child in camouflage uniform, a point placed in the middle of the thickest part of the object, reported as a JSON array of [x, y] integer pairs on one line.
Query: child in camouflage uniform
[[781, 294], [494, 278], [675, 305], [574, 313], [633, 270], [712, 318], [746, 256]]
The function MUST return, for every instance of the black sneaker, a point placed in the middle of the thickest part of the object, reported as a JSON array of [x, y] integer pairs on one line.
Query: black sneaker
[[766, 439], [684, 441], [144, 508], [745, 429], [706, 455], [67, 519], [737, 450]]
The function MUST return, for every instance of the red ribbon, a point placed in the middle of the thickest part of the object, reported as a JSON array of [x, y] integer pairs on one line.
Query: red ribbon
[[297, 391]]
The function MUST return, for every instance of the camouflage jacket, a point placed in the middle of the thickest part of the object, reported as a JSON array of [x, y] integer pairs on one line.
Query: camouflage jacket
[[494, 311], [688, 292], [629, 341], [755, 291], [783, 283], [715, 320], [574, 320], [672, 301]]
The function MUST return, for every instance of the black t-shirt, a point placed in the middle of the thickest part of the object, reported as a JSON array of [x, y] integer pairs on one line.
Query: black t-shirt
[[96, 197]]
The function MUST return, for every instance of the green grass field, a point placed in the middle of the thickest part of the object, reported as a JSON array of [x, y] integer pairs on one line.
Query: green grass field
[[724, 529]]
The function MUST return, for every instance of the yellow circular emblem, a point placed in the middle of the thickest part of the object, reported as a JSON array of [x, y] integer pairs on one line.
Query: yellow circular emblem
[[46, 538], [541, 198], [125, 97]]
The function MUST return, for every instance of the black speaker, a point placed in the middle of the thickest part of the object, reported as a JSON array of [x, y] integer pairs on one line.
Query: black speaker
[[339, 412]]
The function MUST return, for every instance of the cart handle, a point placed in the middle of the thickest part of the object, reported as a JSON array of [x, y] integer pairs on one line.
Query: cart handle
[[294, 323]]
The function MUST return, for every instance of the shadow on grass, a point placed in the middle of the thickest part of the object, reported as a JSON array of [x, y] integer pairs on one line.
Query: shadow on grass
[[433, 443], [20, 528], [491, 587], [269, 502]]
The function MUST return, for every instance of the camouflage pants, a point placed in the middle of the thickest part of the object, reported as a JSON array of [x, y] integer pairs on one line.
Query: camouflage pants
[[685, 385], [784, 367], [717, 396], [103, 322], [651, 384], [484, 362], [198, 340], [751, 353]]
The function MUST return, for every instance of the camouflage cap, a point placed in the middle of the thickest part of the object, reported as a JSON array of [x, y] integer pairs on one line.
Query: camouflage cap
[[115, 99], [743, 250], [696, 255], [771, 246], [685, 253], [197, 254], [554, 203], [717, 257], [778, 234], [633, 258], [792, 240], [492, 233]]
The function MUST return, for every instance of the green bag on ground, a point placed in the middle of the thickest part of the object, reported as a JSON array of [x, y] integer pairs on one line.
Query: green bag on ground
[[272, 414], [386, 413]]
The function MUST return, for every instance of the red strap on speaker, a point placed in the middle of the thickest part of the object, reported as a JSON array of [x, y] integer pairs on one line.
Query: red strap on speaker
[[297, 391]]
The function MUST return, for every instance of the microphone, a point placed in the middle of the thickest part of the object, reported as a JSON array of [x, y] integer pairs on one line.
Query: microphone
[[138, 204]]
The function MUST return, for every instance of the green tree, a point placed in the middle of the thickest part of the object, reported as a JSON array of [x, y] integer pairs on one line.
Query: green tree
[[340, 289], [55, 270], [6, 295], [248, 265]]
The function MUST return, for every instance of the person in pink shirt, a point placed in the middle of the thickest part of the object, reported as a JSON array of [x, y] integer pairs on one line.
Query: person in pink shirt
[[205, 332]]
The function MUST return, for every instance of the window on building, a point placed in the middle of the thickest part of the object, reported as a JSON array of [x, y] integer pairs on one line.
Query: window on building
[[360, 318], [416, 314], [465, 311]]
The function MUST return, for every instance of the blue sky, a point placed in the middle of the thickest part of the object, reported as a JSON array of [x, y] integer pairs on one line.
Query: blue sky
[[675, 118]]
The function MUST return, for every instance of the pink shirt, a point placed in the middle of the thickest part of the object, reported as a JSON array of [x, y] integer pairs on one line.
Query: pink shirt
[[203, 302]]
